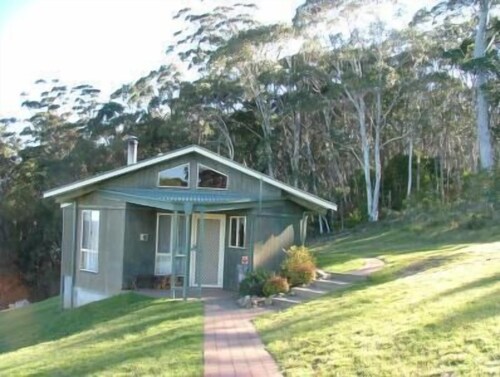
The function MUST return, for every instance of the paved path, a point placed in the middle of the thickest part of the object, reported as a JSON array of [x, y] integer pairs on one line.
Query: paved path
[[371, 265], [232, 345]]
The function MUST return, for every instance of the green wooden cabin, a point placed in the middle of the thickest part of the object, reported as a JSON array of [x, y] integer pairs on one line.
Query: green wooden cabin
[[189, 216]]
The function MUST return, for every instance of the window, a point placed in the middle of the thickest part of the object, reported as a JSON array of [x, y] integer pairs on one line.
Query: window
[[89, 242], [165, 229], [237, 231], [178, 176], [210, 178]]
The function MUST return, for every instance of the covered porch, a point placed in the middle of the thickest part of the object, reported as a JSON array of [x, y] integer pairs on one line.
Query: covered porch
[[187, 233]]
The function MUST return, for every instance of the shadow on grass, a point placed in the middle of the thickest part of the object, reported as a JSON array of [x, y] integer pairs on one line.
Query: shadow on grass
[[479, 309], [479, 283], [126, 334], [151, 347], [395, 240], [46, 321], [305, 322]]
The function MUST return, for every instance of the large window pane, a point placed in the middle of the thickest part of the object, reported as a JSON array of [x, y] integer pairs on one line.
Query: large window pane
[[210, 178], [89, 241], [237, 231], [86, 230], [163, 265], [177, 176], [241, 232], [164, 225]]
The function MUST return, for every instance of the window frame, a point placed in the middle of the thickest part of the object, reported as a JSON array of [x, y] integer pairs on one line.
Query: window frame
[[85, 250], [238, 221], [171, 241], [198, 165], [176, 187]]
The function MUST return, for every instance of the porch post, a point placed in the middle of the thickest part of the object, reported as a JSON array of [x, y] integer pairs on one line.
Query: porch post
[[199, 247], [188, 210], [303, 228], [175, 243]]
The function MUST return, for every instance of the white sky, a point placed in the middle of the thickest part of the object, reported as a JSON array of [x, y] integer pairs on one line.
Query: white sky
[[105, 43]]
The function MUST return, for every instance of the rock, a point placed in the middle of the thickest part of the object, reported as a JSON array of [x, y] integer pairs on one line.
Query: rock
[[19, 304], [244, 302], [268, 301], [320, 274]]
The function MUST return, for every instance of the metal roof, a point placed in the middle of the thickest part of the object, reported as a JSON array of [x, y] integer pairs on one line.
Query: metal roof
[[176, 199], [178, 196], [303, 195]]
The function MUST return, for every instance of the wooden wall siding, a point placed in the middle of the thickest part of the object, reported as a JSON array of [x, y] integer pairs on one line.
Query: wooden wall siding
[[111, 241], [274, 230], [67, 242], [272, 235], [94, 200], [139, 256], [238, 181]]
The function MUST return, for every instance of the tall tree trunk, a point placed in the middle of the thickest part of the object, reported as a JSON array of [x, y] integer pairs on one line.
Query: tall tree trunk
[[365, 147], [296, 148], [410, 172], [482, 116], [311, 162], [378, 165], [418, 172], [266, 133]]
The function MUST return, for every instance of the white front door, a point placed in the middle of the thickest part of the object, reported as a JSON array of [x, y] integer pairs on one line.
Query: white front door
[[207, 256]]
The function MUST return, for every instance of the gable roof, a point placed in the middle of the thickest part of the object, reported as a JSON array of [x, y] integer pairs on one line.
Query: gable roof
[[310, 198]]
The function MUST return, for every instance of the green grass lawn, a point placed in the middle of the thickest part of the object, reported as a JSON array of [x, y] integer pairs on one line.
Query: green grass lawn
[[128, 335], [434, 310]]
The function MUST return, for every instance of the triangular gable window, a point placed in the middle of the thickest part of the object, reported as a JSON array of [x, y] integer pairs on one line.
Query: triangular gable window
[[210, 178], [178, 176]]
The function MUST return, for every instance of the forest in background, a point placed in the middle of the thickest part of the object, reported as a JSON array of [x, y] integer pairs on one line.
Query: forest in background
[[378, 120]]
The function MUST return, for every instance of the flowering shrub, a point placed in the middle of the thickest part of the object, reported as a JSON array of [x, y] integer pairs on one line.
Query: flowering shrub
[[299, 267], [275, 285]]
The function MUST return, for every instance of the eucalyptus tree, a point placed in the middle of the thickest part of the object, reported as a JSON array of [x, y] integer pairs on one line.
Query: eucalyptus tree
[[248, 58], [203, 32], [206, 107], [477, 62], [152, 93]]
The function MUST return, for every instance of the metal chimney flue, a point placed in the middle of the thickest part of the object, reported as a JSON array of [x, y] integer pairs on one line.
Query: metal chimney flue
[[132, 143]]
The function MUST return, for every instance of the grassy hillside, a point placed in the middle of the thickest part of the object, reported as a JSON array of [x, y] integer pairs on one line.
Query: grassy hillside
[[434, 310], [125, 335]]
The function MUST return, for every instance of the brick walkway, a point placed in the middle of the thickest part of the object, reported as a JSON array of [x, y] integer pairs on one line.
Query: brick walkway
[[232, 345]]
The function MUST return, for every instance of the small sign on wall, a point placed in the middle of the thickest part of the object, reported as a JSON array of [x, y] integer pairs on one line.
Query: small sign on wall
[[244, 259]]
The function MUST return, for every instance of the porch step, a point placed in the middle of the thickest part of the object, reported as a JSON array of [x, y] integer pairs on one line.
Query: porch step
[[350, 278], [285, 302], [329, 285], [307, 292], [318, 288]]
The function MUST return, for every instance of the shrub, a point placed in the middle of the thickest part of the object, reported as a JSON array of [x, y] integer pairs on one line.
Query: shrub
[[275, 285], [253, 283], [299, 267]]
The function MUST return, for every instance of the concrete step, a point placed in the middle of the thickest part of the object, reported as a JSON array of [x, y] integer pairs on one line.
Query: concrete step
[[307, 292], [350, 278], [284, 302], [329, 285]]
